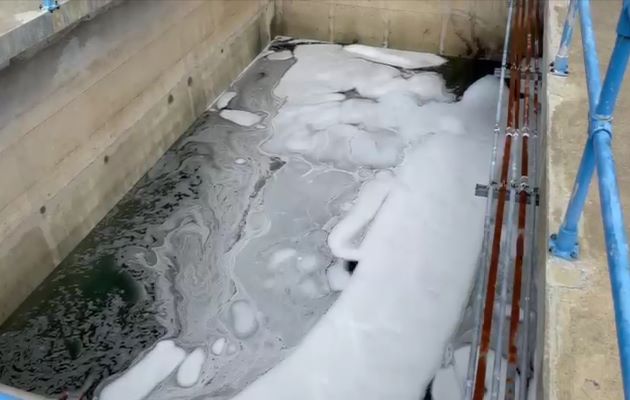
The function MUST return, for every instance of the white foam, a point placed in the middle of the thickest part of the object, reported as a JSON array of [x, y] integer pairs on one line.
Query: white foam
[[325, 69], [138, 381], [224, 99], [342, 239], [218, 346], [324, 122], [344, 120], [386, 334], [243, 319], [280, 55], [240, 117], [397, 58], [338, 277], [281, 256], [190, 369]]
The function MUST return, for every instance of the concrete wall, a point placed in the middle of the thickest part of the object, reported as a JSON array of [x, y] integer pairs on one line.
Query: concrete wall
[[83, 119], [24, 27], [453, 28]]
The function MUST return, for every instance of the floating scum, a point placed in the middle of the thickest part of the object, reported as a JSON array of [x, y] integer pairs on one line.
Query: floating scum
[[386, 159]]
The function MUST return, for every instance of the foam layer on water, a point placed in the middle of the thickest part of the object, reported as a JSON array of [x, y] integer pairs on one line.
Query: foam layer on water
[[229, 237], [397, 157], [224, 99], [240, 117], [190, 369], [147, 373], [386, 334], [397, 58], [338, 276]]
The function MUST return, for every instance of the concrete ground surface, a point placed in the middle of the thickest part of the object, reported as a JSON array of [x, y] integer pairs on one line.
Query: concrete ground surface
[[581, 360]]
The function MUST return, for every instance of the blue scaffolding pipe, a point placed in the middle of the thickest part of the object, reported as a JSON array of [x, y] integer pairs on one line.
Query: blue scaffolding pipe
[[598, 154], [49, 5], [561, 62], [565, 243]]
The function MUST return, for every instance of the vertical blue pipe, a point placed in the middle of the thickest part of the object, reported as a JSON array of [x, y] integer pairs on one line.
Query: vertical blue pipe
[[616, 248], [602, 101], [565, 243], [591, 58], [614, 78], [561, 62]]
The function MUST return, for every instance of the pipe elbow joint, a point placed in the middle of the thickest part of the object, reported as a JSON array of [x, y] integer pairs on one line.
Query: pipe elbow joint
[[601, 126]]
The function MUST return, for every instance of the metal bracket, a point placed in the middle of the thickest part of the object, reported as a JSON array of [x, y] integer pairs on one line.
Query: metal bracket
[[482, 191], [570, 250], [533, 75], [560, 67], [49, 5]]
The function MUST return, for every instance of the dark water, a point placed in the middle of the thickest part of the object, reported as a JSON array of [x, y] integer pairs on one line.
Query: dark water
[[97, 312], [459, 73]]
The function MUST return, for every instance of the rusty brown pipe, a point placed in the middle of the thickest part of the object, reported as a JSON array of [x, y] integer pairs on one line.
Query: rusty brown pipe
[[512, 124]]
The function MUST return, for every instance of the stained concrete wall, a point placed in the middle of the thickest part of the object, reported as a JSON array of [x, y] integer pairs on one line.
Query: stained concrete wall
[[473, 28], [83, 119], [581, 359]]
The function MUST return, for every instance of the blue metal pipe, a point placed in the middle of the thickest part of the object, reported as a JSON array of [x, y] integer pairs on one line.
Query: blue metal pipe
[[612, 210], [614, 78], [616, 247], [564, 244], [591, 58], [49, 5], [598, 150], [561, 62]]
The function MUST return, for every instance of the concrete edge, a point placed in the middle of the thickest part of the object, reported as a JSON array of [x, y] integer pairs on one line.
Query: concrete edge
[[38, 31]]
